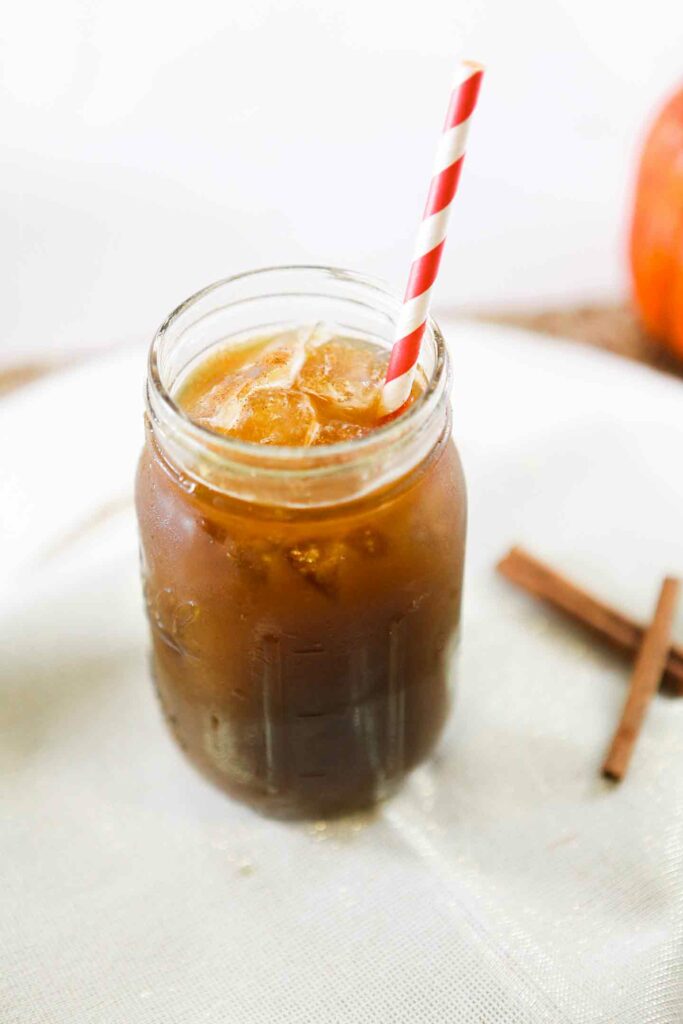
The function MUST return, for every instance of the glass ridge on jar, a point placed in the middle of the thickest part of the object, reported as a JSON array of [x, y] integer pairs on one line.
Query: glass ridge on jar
[[303, 602]]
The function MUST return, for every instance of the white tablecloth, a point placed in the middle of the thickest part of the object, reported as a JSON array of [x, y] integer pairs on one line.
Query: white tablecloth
[[506, 883]]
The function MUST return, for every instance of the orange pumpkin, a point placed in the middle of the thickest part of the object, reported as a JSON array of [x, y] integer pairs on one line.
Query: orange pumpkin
[[656, 245]]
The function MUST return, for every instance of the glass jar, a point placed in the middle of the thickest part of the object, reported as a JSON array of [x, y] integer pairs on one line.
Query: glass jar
[[303, 602]]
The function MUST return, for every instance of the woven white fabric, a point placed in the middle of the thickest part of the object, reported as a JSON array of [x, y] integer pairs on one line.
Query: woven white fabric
[[506, 883]]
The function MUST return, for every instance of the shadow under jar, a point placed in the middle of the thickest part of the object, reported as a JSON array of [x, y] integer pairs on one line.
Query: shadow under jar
[[303, 602]]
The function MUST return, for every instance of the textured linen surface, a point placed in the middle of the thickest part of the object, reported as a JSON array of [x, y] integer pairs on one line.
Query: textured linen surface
[[506, 882]]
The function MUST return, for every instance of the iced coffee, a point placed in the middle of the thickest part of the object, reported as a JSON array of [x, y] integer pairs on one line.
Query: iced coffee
[[302, 626]]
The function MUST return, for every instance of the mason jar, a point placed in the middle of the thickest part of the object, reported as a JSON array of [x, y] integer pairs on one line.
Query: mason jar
[[303, 603]]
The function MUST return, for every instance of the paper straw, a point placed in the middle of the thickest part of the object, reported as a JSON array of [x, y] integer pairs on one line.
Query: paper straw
[[431, 238]]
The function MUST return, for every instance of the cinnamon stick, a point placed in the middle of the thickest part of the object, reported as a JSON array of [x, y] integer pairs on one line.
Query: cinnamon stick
[[607, 622], [644, 681]]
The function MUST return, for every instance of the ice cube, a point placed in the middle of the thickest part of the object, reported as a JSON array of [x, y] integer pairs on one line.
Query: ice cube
[[220, 408], [318, 562], [276, 416], [280, 363], [277, 366], [348, 376], [242, 408]]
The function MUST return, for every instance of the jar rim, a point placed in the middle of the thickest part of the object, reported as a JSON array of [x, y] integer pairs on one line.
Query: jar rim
[[283, 459]]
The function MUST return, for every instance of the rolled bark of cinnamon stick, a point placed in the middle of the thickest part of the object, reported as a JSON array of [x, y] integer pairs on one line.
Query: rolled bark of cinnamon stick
[[644, 681], [607, 622]]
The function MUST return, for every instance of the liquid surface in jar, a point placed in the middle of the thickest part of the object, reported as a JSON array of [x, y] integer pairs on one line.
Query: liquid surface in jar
[[306, 386]]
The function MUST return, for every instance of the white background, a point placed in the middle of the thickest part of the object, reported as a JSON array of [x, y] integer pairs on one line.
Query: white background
[[149, 148]]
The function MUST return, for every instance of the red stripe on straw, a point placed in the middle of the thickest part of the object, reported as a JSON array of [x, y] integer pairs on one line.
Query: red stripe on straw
[[463, 101], [443, 188], [444, 184], [423, 272], [405, 355]]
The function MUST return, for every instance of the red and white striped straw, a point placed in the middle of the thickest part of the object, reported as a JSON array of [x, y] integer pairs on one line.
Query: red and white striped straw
[[431, 238]]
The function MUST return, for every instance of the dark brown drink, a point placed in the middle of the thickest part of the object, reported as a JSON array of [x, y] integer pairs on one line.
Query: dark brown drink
[[301, 652]]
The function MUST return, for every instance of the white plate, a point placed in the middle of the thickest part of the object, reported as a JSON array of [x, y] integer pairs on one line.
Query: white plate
[[506, 882]]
